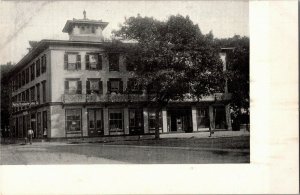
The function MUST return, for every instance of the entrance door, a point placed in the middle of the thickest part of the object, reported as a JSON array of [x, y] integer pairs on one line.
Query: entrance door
[[95, 122], [179, 120], [136, 121], [220, 118]]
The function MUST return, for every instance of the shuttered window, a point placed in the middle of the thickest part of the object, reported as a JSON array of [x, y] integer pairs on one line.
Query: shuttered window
[[93, 61], [73, 86], [72, 61], [94, 86], [115, 85], [113, 61]]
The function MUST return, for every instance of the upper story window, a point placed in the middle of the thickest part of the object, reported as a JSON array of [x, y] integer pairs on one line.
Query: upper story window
[[93, 61], [133, 86], [129, 66], [72, 61], [73, 86], [38, 93], [27, 95], [38, 68], [32, 93], [94, 86], [27, 75], [23, 78], [44, 63], [19, 80], [113, 61], [93, 30], [44, 91], [115, 85], [32, 75]]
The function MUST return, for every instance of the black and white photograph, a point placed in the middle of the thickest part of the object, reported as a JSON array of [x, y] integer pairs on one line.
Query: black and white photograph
[[126, 83]]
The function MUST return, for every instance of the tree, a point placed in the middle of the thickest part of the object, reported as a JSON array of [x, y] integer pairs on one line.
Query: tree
[[171, 59], [238, 72], [5, 91]]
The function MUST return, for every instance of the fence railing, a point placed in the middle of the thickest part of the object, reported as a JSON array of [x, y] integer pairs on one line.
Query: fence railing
[[89, 98]]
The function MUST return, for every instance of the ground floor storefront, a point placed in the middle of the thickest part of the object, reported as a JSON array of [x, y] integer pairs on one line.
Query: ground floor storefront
[[63, 121]]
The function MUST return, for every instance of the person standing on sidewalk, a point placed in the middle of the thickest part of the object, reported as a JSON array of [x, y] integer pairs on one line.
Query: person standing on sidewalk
[[30, 135]]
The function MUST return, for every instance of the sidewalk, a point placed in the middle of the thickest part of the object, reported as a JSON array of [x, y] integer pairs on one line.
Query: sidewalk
[[199, 134]]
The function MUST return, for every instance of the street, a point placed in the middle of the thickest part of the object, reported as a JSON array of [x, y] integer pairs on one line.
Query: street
[[165, 151]]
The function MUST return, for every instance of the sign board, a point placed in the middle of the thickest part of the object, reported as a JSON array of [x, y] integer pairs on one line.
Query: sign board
[[25, 113], [20, 104]]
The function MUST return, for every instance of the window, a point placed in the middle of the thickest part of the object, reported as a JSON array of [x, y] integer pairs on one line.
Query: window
[[19, 80], [93, 61], [73, 86], [94, 86], [27, 95], [152, 121], [93, 29], [32, 72], [44, 120], [23, 78], [73, 120], [27, 75], [129, 66], [32, 94], [44, 63], [38, 68], [115, 120], [202, 118], [39, 125], [44, 91], [113, 62], [133, 86], [72, 61], [115, 85], [38, 93]]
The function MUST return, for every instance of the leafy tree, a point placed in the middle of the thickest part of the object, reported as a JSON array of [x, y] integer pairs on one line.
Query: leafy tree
[[238, 72], [171, 59], [5, 90]]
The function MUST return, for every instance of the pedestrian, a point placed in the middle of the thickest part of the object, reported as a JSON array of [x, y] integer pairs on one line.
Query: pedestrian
[[45, 133], [30, 135]]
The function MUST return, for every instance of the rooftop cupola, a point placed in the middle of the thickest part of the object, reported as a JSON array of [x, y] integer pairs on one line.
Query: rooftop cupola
[[85, 29]]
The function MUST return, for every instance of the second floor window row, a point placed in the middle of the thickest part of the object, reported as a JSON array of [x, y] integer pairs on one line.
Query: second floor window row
[[30, 73]]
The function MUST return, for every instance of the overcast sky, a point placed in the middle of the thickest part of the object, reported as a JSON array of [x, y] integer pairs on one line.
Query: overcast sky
[[36, 20]]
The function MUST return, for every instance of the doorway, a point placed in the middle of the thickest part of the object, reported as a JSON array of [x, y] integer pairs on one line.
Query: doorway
[[136, 121], [220, 117], [95, 122], [179, 120]]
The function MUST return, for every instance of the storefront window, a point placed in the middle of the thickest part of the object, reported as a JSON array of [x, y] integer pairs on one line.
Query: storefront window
[[152, 121], [202, 118], [115, 120], [73, 120]]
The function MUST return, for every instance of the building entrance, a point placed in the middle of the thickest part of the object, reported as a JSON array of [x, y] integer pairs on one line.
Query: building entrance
[[220, 117], [136, 121], [95, 125], [179, 120]]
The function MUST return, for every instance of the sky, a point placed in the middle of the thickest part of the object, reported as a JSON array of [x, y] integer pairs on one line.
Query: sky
[[36, 20]]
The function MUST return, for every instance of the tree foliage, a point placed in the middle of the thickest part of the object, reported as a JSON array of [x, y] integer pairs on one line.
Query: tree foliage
[[238, 67], [5, 90], [172, 58]]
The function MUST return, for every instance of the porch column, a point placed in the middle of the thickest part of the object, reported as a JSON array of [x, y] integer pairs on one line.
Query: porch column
[[146, 125], [126, 121], [194, 118], [165, 120], [211, 117], [228, 117], [84, 122], [105, 117]]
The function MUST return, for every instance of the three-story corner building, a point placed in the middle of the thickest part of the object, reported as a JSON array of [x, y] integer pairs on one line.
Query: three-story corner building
[[76, 88]]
